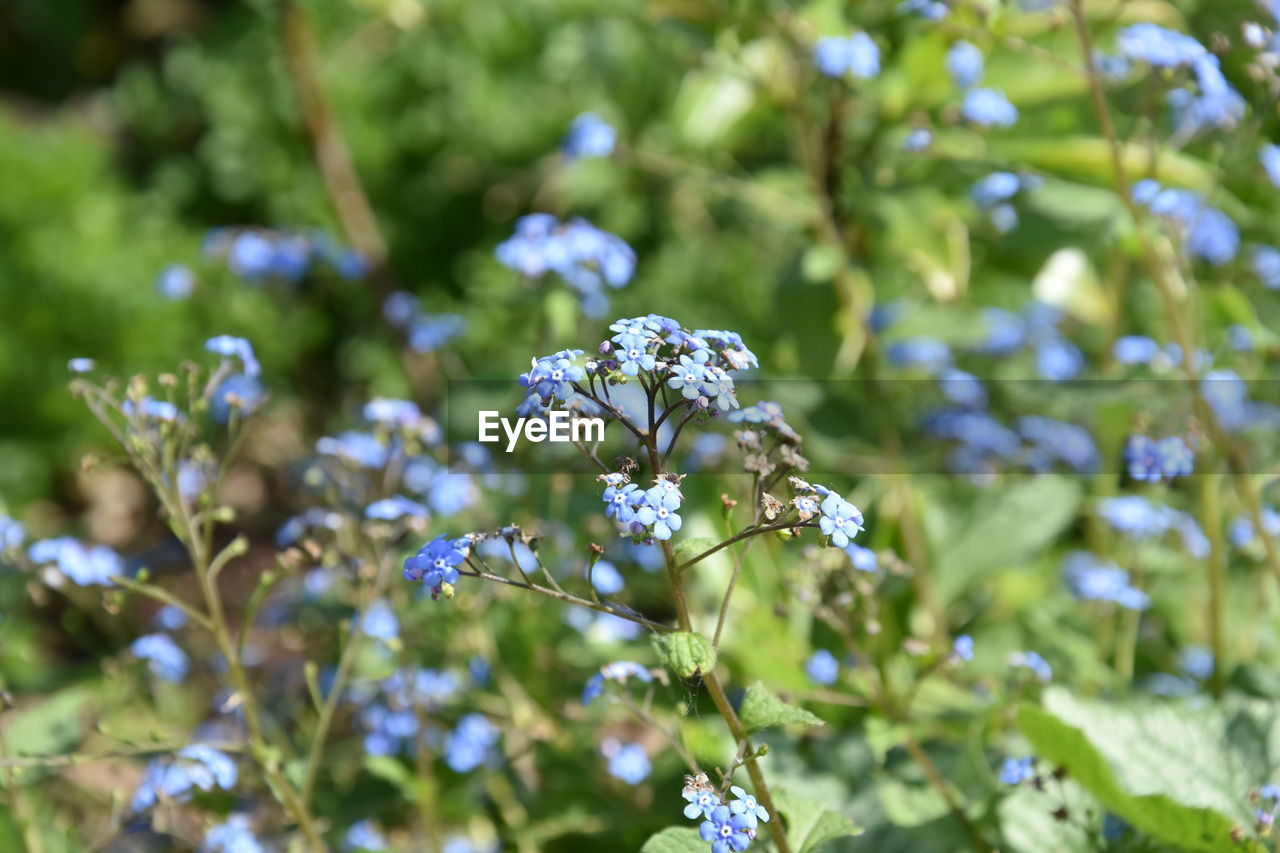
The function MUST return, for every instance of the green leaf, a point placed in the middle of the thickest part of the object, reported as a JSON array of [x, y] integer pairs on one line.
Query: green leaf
[[1004, 530], [761, 708], [687, 654], [53, 727], [689, 548], [675, 840], [811, 824], [1162, 769]]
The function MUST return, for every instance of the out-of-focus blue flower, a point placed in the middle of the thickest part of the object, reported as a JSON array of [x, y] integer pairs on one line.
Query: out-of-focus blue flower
[[163, 657], [822, 668], [618, 671], [1241, 530], [234, 835], [170, 617], [238, 392], [358, 448], [364, 837], [1033, 661], [1058, 360], [962, 647], [584, 256], [92, 566], [1214, 103], [229, 346], [470, 744], [380, 622], [964, 63], [1196, 661], [153, 409], [856, 54], [430, 332], [919, 139], [962, 388], [1213, 237], [1153, 461], [80, 365], [863, 559], [1269, 156], [12, 534], [1239, 338], [995, 188], [1135, 349], [1015, 771], [1006, 332], [988, 108], [195, 767], [1266, 264], [1228, 396], [1136, 516], [589, 136], [1093, 580], [931, 10], [395, 508], [627, 761], [175, 282], [606, 578], [1057, 441], [1157, 46], [924, 354], [1111, 67]]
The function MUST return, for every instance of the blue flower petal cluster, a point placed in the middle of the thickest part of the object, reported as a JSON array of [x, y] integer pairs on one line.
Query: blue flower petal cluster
[[257, 254], [583, 256], [234, 835], [988, 108], [856, 55], [84, 566], [589, 136], [1090, 579], [177, 777], [471, 743], [726, 827], [435, 565], [619, 672], [163, 656], [1154, 461]]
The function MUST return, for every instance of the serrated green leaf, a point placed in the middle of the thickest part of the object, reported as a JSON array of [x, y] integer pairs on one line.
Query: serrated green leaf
[[811, 824], [675, 840], [685, 653], [761, 708], [1141, 779]]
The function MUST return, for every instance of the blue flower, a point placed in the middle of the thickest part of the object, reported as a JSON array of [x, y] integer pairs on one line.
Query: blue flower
[[748, 807], [551, 376], [1266, 265], [725, 830], [606, 578], [1269, 156], [170, 617], [380, 622], [153, 409], [1135, 516], [1196, 661], [1137, 349], [925, 354], [863, 559], [164, 658], [857, 55], [470, 744], [435, 564], [365, 837], [661, 521], [988, 108], [962, 388], [12, 534], [1032, 661], [229, 346], [628, 762], [1213, 237], [1058, 360], [392, 414], [584, 257], [931, 10], [94, 566], [1005, 332], [618, 671], [239, 393], [621, 502], [175, 282], [1056, 441], [995, 188], [1153, 461], [232, 836], [919, 139], [962, 647], [430, 332], [395, 508], [964, 63], [80, 365], [1015, 771], [195, 767], [702, 802], [840, 520], [1158, 46], [1092, 580], [822, 668], [359, 448], [589, 136]]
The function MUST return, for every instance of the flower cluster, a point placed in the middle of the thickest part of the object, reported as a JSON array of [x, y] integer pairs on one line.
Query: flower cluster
[[993, 193], [68, 559], [1015, 771], [423, 332], [436, 564], [256, 254], [163, 656], [648, 514], [1206, 232], [234, 835], [619, 672], [390, 712], [726, 827], [585, 257], [1212, 103], [1139, 518], [1152, 461], [856, 55], [197, 767], [1032, 661], [1091, 579]]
